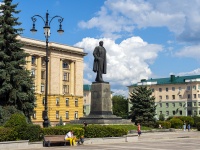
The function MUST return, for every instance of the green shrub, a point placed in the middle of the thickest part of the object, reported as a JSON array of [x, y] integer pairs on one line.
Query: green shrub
[[176, 123], [33, 133], [97, 131], [7, 134], [18, 122], [187, 119], [161, 117], [6, 112], [196, 120], [164, 124], [198, 126]]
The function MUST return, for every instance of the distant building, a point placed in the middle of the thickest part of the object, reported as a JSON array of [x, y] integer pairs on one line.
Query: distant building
[[86, 99], [65, 92], [175, 95]]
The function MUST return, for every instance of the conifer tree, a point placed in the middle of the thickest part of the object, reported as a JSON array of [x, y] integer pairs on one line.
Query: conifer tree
[[143, 106], [16, 84]]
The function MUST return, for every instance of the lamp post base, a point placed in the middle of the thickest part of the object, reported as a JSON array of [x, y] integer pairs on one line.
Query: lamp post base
[[46, 120]]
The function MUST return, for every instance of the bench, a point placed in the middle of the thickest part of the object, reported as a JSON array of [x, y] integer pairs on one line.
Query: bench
[[51, 139]]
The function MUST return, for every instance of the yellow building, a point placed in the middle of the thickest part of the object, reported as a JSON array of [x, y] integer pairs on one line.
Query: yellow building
[[65, 80]]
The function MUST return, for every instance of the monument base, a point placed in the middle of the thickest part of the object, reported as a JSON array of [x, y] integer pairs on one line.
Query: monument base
[[101, 106]]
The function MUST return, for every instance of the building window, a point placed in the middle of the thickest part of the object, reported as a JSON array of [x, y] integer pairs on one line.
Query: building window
[[65, 65], [43, 61], [173, 96], [152, 90], [180, 112], [76, 102], [42, 88], [174, 112], [179, 88], [180, 96], [189, 104], [160, 97], [199, 86], [57, 114], [195, 113], [66, 76], [43, 100], [188, 88], [76, 115], [188, 95], [194, 95], [43, 73], [160, 89], [173, 104], [65, 89], [160, 104], [67, 114], [189, 113], [167, 97], [195, 103], [167, 104], [194, 87], [57, 101], [33, 60], [67, 101], [167, 89], [180, 104], [84, 101], [34, 114], [173, 88], [167, 113], [33, 73]]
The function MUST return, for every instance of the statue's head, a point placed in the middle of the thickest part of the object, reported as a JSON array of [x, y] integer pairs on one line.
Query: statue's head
[[101, 43]]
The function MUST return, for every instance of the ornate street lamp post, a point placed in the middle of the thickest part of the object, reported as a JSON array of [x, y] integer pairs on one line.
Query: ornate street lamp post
[[47, 24]]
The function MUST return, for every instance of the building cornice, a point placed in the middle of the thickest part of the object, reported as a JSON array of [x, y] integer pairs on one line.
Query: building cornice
[[52, 46]]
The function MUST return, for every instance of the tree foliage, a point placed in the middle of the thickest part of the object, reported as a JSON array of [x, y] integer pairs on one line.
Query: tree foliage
[[16, 84], [120, 106], [143, 106]]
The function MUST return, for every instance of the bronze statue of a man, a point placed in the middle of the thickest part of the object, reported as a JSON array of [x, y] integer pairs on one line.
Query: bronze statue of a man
[[100, 64]]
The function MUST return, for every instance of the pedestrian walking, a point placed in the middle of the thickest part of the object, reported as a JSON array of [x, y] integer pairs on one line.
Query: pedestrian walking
[[184, 125], [188, 127], [139, 129]]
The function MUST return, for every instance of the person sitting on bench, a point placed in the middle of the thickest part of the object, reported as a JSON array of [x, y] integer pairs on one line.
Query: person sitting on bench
[[71, 138]]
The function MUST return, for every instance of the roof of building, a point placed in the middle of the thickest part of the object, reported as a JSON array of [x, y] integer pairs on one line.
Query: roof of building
[[170, 80], [86, 87]]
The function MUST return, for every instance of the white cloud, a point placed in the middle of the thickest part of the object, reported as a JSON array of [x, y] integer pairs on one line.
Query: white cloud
[[127, 62], [189, 51], [123, 16], [194, 72]]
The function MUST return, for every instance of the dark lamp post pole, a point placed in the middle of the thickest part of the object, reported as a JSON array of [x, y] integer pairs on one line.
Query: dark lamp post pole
[[47, 35]]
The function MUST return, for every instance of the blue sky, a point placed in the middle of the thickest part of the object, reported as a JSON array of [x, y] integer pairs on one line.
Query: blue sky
[[143, 38]]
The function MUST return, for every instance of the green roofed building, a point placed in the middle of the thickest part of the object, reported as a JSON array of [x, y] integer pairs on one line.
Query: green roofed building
[[175, 95]]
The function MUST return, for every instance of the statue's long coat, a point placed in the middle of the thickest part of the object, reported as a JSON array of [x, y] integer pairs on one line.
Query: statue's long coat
[[100, 52]]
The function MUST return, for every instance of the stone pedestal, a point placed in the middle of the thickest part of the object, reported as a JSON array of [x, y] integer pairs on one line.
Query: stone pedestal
[[101, 106]]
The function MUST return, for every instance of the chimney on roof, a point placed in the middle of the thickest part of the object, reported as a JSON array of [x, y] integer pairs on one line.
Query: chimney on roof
[[172, 77], [143, 80]]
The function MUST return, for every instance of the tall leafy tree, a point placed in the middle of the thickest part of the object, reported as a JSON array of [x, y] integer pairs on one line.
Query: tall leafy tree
[[16, 84], [143, 108], [120, 106]]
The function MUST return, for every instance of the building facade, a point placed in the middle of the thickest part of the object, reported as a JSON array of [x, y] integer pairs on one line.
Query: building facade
[[65, 80], [87, 99], [175, 95]]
